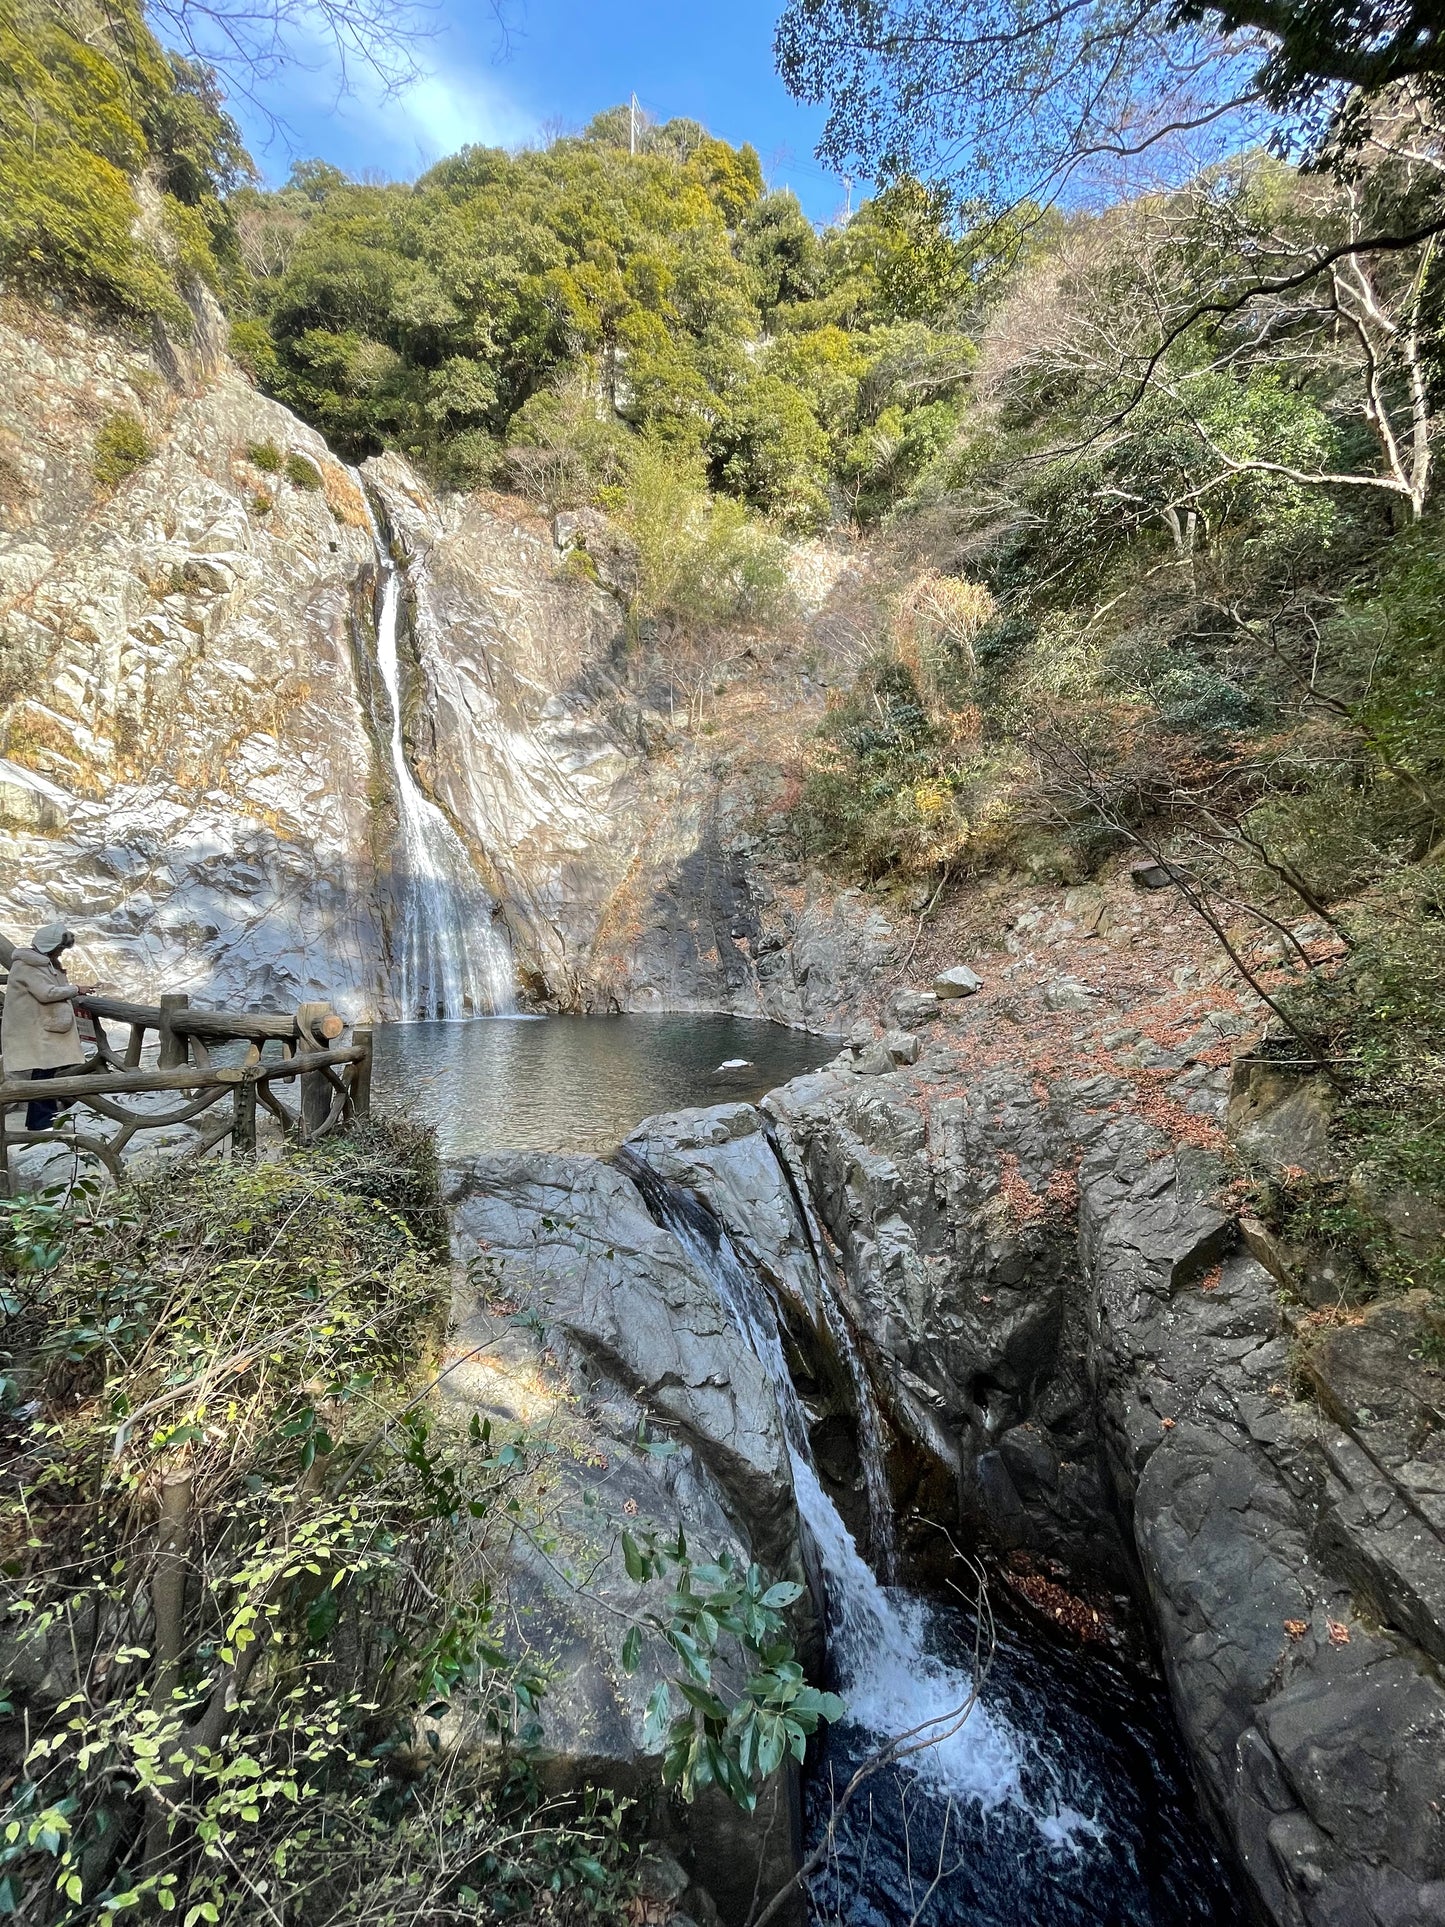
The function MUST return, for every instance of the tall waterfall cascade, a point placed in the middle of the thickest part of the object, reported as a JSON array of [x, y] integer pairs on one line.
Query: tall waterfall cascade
[[450, 954], [892, 1684]]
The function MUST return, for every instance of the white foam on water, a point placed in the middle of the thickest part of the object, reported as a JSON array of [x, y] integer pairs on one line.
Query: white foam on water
[[892, 1685]]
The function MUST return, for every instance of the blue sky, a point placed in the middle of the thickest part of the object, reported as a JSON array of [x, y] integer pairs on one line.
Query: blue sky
[[563, 61]]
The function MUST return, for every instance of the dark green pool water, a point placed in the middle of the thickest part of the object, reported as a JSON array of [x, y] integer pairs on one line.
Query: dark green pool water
[[578, 1083]]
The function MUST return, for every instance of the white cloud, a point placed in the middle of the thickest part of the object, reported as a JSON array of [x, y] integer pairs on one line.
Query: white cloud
[[454, 102], [438, 114]]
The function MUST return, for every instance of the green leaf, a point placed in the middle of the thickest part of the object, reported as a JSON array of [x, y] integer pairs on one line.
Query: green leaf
[[634, 1558], [659, 1714], [707, 1703], [693, 1658], [826, 1706], [772, 1744], [631, 1650], [781, 1595]]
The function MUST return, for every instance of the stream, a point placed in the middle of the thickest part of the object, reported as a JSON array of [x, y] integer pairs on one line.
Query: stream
[[1047, 1787]]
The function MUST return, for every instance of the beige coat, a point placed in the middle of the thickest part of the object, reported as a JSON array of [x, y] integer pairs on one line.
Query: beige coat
[[39, 1032]]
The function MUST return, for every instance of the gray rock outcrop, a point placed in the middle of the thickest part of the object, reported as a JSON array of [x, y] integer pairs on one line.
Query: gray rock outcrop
[[1063, 1318], [194, 765], [580, 1321]]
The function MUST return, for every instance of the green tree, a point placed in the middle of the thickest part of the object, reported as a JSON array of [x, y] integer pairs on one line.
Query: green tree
[[769, 447]]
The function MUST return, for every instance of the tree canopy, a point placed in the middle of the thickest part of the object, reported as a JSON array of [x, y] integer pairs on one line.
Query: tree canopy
[[90, 104], [1015, 99], [530, 316]]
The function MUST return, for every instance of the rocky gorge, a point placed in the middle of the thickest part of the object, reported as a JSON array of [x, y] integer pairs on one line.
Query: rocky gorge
[[1020, 1214], [1018, 1293]]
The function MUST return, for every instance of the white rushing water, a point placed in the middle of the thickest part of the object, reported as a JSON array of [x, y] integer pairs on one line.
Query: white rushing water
[[882, 1529], [877, 1636], [450, 956]]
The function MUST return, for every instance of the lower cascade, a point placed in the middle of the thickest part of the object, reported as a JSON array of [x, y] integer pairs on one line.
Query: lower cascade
[[895, 1688], [451, 959], [1026, 1788]]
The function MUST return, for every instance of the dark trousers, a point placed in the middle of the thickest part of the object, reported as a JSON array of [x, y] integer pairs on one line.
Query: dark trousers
[[40, 1111]]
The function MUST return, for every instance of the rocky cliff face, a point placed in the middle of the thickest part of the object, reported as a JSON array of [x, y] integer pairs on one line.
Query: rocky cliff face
[[187, 768], [1038, 1246], [193, 764]]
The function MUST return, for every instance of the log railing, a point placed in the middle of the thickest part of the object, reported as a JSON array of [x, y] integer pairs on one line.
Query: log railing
[[305, 1046]]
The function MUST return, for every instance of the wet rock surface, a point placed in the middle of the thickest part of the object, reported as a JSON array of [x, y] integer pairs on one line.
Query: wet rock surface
[[1044, 1264], [579, 1320]]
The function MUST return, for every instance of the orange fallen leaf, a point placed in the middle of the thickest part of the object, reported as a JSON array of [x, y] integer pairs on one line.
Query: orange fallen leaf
[[1296, 1628], [1339, 1632]]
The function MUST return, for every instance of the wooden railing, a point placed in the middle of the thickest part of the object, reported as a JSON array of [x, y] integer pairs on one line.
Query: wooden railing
[[334, 1077]]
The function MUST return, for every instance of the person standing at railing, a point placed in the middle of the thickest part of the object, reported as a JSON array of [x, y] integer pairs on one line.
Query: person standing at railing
[[39, 1034]]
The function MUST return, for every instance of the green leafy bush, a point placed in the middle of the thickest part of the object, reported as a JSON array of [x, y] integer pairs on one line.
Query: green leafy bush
[[264, 455], [703, 558], [710, 1740], [121, 447], [242, 1570], [246, 1575], [87, 102], [301, 472], [898, 781]]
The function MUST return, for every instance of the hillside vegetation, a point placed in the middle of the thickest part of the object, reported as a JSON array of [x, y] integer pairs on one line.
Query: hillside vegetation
[[115, 159], [259, 1646]]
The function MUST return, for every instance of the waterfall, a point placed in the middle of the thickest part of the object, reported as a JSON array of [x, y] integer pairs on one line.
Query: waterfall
[[450, 957], [877, 1636], [871, 1450]]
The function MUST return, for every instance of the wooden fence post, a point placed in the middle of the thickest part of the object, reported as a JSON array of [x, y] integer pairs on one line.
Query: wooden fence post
[[173, 1048], [316, 1025], [243, 1120], [361, 1073]]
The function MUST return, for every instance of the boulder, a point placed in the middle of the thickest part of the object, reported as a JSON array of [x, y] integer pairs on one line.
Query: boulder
[[1066, 993], [1280, 1111], [910, 1008], [874, 1061], [902, 1046], [570, 1239], [1088, 903], [1158, 876], [728, 1154], [960, 981]]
